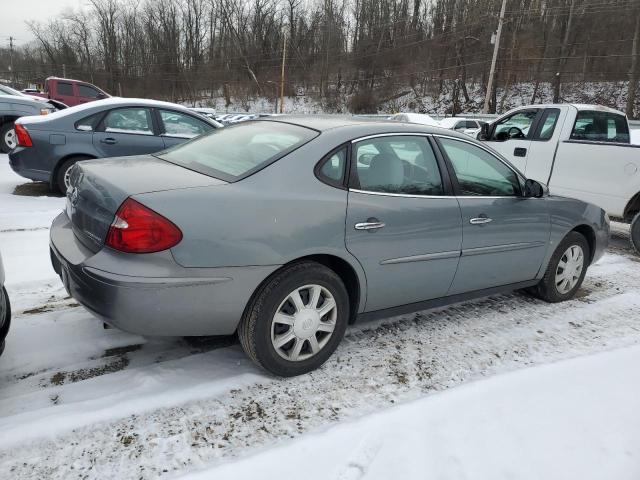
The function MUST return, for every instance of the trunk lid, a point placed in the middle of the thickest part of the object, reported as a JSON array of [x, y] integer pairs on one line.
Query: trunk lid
[[98, 188]]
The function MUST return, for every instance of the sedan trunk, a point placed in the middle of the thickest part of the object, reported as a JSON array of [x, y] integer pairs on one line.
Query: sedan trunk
[[98, 188]]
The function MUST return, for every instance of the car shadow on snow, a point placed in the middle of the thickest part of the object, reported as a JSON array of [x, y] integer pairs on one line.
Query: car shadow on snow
[[35, 189]]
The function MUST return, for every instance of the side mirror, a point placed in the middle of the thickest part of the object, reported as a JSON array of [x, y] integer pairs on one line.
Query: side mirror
[[101, 96], [485, 132], [533, 189]]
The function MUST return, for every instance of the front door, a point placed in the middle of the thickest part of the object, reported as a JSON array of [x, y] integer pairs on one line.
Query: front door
[[506, 235], [127, 131], [402, 225], [511, 136]]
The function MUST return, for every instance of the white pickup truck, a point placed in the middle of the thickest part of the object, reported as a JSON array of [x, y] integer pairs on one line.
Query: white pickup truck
[[579, 151]]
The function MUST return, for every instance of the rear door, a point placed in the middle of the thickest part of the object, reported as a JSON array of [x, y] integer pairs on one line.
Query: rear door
[[511, 136], [178, 127], [403, 223], [505, 235], [127, 131], [64, 92]]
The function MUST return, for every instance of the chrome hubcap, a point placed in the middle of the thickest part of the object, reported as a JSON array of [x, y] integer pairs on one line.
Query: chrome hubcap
[[304, 323], [10, 139], [67, 178], [569, 269]]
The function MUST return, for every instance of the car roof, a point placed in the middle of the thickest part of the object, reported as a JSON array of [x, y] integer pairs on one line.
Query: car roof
[[323, 123]]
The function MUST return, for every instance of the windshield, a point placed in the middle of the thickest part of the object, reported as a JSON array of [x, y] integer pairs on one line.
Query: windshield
[[237, 151], [4, 90]]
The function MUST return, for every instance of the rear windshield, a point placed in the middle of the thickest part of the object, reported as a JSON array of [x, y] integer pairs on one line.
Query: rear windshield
[[232, 153]]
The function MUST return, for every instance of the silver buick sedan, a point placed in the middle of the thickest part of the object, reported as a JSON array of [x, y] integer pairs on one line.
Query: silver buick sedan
[[288, 229], [5, 310]]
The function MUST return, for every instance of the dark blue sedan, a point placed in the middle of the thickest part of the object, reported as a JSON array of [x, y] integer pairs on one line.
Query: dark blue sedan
[[49, 146]]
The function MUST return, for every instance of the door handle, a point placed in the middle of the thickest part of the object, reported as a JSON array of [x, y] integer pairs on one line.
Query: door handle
[[520, 152], [109, 141], [370, 224], [481, 220]]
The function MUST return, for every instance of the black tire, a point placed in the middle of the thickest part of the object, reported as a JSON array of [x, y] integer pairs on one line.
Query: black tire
[[547, 289], [5, 317], [4, 147], [59, 184], [254, 330], [635, 233]]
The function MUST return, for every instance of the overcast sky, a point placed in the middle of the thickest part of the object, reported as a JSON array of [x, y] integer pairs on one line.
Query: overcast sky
[[13, 14]]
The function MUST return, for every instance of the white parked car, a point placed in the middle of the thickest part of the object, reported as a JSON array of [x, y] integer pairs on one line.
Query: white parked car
[[421, 118], [579, 151], [463, 125]]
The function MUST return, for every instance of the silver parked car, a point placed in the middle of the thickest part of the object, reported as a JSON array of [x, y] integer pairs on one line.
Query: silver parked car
[[5, 310], [286, 230]]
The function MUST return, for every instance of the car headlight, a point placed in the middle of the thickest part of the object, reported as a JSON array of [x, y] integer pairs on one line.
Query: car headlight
[[45, 111]]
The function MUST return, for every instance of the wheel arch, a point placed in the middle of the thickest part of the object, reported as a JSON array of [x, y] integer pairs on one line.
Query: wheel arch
[[340, 266], [590, 235], [80, 156], [632, 208]]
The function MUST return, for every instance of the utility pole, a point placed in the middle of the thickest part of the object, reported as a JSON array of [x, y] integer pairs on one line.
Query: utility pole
[[284, 56], [13, 75], [494, 60], [64, 71]]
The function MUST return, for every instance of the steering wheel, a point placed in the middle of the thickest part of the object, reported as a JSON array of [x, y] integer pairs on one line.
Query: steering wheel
[[515, 132]]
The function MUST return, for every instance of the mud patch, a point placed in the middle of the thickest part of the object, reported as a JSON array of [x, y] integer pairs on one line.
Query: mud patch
[[62, 378]]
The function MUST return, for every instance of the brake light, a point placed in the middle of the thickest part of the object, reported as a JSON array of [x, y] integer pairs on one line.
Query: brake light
[[23, 137], [138, 229]]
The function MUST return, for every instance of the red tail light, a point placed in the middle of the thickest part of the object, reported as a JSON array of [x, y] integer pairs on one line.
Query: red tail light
[[23, 137], [138, 229]]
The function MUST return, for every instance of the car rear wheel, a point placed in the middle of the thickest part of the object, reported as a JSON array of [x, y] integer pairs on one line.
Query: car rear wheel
[[296, 320], [8, 140], [63, 174], [566, 269], [635, 233]]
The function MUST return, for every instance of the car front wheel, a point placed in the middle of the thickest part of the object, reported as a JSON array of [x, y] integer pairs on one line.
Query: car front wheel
[[566, 269], [297, 319], [5, 317]]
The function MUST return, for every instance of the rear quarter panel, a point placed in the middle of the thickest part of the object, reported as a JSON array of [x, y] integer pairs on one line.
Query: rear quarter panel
[[567, 214]]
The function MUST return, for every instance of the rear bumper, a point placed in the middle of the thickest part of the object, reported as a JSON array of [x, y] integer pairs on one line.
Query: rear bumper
[[151, 294], [24, 161]]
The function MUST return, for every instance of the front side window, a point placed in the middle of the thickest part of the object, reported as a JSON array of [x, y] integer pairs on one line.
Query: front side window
[[547, 124], [514, 126], [398, 164], [65, 89], [87, 91], [600, 127], [478, 172], [239, 150], [129, 120], [178, 124]]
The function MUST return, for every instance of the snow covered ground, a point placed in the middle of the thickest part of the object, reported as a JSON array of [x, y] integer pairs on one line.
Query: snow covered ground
[[78, 401]]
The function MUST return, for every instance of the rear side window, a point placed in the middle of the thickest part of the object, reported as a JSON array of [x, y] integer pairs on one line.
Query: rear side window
[[331, 169], [65, 89], [397, 164], [87, 91], [237, 151], [600, 127], [89, 123]]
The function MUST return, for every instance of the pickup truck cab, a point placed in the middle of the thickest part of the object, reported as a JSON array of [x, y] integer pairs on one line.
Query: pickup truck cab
[[579, 151], [71, 92]]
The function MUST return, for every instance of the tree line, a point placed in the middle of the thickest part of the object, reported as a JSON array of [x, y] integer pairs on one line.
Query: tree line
[[343, 53]]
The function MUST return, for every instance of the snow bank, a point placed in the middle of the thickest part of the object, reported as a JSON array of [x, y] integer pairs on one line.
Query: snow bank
[[574, 419]]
